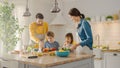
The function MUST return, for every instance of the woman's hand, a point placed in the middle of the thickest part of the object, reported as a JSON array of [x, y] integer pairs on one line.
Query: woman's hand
[[73, 47]]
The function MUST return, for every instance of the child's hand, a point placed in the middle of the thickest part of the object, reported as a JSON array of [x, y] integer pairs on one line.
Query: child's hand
[[66, 43]]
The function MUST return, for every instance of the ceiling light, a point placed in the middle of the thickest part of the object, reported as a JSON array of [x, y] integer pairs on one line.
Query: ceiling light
[[27, 13], [55, 9]]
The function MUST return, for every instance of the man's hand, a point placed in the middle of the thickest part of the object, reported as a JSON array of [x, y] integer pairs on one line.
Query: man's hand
[[41, 44]]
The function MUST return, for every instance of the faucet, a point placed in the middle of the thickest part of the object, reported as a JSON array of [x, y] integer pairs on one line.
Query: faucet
[[98, 40]]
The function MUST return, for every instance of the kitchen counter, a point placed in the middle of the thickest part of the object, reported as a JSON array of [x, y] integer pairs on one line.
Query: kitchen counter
[[111, 50], [49, 61], [100, 52]]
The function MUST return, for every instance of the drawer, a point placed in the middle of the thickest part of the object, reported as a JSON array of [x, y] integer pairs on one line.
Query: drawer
[[5, 64]]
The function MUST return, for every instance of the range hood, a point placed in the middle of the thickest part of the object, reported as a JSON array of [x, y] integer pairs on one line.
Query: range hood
[[59, 20]]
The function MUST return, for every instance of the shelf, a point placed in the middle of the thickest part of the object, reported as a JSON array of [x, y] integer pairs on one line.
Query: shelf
[[114, 21]]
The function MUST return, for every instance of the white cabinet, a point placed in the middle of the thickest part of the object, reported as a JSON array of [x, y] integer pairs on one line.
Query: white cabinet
[[111, 60], [86, 63], [22, 65], [0, 63], [8, 64], [97, 52], [98, 63]]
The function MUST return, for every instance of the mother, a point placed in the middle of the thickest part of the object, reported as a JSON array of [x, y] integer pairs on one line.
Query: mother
[[84, 31]]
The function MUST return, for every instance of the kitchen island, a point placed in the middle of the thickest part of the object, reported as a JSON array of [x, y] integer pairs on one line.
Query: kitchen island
[[72, 61]]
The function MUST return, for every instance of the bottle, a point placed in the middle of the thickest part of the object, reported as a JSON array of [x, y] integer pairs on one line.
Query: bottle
[[107, 47], [115, 17], [119, 15]]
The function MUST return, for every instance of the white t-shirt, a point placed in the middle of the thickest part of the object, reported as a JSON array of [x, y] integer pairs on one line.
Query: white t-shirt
[[78, 40]]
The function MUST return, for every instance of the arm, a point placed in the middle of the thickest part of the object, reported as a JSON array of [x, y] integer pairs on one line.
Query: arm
[[32, 33], [57, 45], [46, 30], [88, 34], [46, 27], [45, 45]]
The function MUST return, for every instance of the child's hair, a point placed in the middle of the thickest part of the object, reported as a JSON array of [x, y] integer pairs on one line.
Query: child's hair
[[50, 33], [71, 36]]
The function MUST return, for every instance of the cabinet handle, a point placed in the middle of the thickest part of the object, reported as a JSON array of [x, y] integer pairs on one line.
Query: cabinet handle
[[5, 67], [4, 60], [115, 54]]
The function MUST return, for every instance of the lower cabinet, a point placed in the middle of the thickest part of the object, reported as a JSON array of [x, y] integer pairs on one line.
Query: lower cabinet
[[98, 63], [86, 63], [22, 65], [8, 64], [0, 63], [111, 60]]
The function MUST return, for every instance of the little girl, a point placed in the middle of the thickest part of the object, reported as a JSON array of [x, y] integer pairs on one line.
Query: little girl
[[68, 40]]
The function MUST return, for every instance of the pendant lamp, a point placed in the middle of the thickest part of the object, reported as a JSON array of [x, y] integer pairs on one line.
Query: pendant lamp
[[55, 8], [27, 12]]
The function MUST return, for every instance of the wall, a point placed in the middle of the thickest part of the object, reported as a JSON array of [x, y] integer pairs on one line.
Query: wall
[[90, 8], [94, 7], [61, 31]]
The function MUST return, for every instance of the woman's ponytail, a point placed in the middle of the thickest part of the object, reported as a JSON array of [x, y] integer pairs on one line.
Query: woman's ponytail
[[76, 12], [82, 16]]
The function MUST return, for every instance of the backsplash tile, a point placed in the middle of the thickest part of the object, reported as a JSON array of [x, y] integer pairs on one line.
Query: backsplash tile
[[109, 33]]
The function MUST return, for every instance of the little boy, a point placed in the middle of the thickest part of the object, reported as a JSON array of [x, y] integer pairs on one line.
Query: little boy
[[51, 43]]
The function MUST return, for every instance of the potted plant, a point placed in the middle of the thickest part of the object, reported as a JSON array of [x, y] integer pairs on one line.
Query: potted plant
[[88, 18], [109, 18], [9, 26]]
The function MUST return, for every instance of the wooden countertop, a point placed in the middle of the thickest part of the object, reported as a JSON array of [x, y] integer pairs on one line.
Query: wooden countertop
[[46, 61]]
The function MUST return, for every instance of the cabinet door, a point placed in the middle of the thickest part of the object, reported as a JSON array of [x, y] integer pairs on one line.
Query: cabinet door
[[98, 63], [112, 60], [9, 64], [13, 64], [5, 64], [22, 65], [31, 66], [86, 63]]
